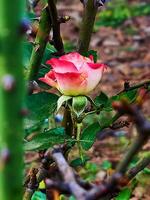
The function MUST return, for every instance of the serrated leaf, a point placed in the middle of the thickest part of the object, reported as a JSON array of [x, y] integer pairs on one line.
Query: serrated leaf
[[47, 139], [88, 135], [41, 105], [61, 100], [78, 104], [124, 194]]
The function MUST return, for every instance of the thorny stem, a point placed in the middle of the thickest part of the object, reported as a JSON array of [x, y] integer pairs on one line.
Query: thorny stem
[[143, 84], [41, 40], [86, 30], [11, 99], [56, 27]]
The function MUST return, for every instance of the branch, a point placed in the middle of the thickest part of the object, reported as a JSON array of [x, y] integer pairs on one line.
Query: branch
[[129, 88], [58, 44], [139, 167], [41, 40], [86, 30], [68, 175]]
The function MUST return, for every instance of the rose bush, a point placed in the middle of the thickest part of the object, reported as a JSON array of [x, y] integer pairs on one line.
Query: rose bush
[[73, 74]]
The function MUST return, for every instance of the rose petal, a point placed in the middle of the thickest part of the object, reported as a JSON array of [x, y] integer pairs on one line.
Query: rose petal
[[71, 83], [49, 79], [62, 66], [97, 65], [77, 59], [93, 76]]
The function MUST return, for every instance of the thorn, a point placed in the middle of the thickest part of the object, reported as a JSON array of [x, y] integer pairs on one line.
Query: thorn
[[5, 155], [24, 112], [8, 82]]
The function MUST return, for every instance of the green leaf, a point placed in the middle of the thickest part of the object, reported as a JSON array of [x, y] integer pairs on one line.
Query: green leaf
[[146, 170], [47, 139], [128, 95], [101, 99], [124, 194], [61, 100], [38, 196], [79, 162], [89, 135], [78, 104], [106, 165], [41, 105], [93, 53]]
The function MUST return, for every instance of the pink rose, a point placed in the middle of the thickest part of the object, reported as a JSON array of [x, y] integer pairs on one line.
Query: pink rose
[[74, 74]]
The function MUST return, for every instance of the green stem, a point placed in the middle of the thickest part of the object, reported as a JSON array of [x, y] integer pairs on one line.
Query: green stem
[[40, 45], [87, 26], [79, 126], [135, 147], [11, 99]]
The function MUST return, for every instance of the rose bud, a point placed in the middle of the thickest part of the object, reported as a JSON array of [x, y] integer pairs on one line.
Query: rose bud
[[73, 74]]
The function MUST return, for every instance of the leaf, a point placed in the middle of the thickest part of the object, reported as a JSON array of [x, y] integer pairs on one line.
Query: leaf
[[38, 196], [79, 162], [61, 100], [106, 165], [41, 105], [129, 95], [101, 99], [89, 135], [124, 194], [47, 139], [78, 104]]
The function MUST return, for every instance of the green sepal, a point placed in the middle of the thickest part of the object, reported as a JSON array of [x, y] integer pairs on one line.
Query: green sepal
[[78, 104], [61, 100]]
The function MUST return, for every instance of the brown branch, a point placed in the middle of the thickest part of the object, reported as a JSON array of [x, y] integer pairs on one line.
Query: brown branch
[[68, 175]]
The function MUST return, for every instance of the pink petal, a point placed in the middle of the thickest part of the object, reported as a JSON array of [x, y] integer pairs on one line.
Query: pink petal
[[97, 65], [94, 76], [49, 79], [71, 83], [62, 66], [77, 59]]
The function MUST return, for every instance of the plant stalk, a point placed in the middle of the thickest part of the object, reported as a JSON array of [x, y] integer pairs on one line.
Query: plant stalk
[[11, 98], [41, 40], [87, 26]]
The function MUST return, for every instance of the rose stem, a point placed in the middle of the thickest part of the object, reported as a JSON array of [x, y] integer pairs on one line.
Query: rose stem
[[41, 40], [86, 29], [11, 99], [58, 44]]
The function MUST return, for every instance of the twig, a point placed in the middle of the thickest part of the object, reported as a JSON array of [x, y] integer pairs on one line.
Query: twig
[[41, 40], [56, 27], [139, 167], [143, 84]]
